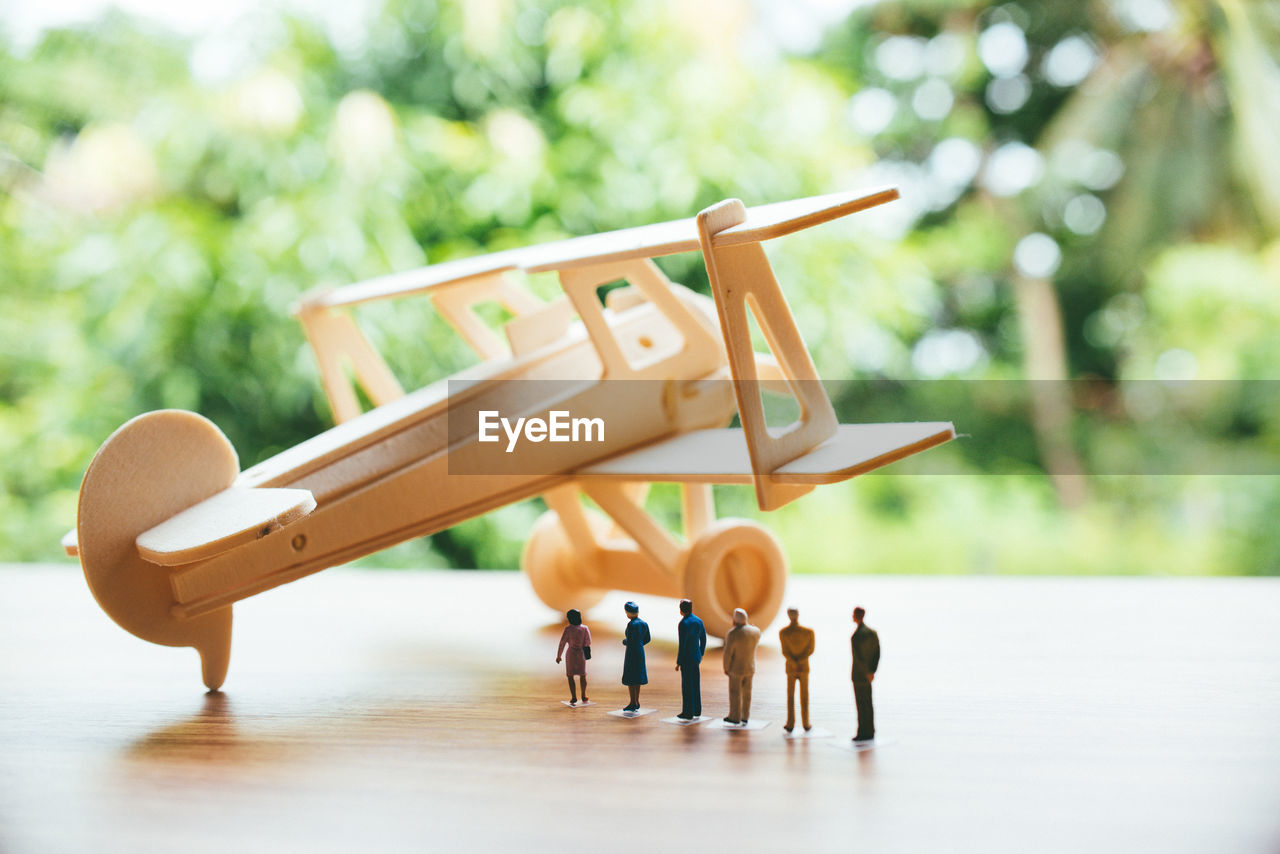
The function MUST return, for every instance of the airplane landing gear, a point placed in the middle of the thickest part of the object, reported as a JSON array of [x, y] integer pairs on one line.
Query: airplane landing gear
[[555, 568], [730, 563], [735, 563]]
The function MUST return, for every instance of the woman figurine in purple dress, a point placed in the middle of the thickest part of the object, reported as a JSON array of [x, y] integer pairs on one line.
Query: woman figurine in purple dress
[[577, 638]]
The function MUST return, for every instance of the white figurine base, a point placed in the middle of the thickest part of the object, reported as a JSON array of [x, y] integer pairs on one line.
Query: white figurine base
[[679, 721], [799, 733], [578, 705], [638, 713], [750, 725], [860, 746]]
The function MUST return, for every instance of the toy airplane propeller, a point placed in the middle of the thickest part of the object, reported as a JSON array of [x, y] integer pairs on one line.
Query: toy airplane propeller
[[170, 532]]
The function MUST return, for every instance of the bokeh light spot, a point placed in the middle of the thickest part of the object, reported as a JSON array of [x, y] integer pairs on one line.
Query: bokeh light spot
[[1037, 256]]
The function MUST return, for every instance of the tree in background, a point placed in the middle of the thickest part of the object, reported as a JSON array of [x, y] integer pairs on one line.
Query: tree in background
[[156, 225], [1080, 171]]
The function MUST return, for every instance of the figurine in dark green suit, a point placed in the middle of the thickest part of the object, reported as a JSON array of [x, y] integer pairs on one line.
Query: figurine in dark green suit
[[633, 670], [865, 644]]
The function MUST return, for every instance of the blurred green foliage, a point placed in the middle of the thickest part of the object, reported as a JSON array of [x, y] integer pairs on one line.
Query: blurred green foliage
[[156, 224]]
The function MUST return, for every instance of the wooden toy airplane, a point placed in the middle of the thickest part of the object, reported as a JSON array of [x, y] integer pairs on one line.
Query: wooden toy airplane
[[170, 532]]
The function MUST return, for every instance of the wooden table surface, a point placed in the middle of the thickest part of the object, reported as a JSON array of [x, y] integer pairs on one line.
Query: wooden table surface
[[398, 711]]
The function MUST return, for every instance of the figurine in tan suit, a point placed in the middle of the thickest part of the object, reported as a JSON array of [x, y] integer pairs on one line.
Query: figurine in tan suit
[[797, 646], [740, 666]]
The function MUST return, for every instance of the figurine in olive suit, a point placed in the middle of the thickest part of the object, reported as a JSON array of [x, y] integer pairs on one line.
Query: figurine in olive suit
[[634, 673], [797, 645], [865, 644]]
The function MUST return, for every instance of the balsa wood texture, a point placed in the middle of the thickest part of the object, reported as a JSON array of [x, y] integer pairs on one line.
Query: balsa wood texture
[[420, 711], [148, 471], [762, 222], [652, 361], [234, 516], [720, 455], [742, 281]]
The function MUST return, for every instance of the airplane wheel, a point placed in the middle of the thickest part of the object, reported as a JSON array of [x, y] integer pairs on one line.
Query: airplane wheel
[[153, 467], [735, 563], [554, 567]]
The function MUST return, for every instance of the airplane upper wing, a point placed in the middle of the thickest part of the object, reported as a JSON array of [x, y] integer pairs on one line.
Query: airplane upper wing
[[421, 280], [720, 456], [763, 222], [645, 241]]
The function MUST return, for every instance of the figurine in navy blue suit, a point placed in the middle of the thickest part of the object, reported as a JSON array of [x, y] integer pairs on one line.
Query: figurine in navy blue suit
[[693, 643], [633, 670]]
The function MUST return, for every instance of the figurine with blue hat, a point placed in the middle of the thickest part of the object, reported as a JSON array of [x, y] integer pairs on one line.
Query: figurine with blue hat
[[634, 673]]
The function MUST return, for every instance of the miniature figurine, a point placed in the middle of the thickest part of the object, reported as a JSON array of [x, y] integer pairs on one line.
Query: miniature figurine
[[577, 638], [865, 644], [693, 643], [633, 670], [797, 646], [740, 666]]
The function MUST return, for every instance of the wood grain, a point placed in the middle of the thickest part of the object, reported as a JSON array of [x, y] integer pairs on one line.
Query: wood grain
[[721, 456], [413, 711], [763, 222], [221, 522]]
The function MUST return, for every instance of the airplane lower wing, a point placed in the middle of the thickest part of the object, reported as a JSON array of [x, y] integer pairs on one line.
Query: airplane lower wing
[[720, 456]]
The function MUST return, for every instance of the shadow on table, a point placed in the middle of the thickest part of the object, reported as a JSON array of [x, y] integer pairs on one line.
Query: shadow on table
[[210, 735]]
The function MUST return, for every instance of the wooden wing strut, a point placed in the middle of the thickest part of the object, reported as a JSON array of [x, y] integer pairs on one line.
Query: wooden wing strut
[[742, 280], [335, 338]]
